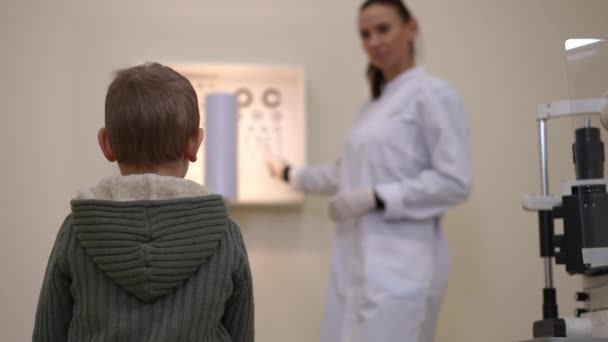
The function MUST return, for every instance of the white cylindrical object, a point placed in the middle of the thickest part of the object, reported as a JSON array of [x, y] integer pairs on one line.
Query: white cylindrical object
[[579, 327], [221, 144]]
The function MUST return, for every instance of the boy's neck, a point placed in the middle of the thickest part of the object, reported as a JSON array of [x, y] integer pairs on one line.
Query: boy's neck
[[177, 169]]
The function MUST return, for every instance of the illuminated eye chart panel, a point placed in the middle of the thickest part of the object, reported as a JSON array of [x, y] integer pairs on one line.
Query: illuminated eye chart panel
[[271, 122]]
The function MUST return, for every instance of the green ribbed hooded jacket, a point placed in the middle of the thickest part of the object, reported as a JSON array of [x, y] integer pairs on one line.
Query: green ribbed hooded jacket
[[147, 270]]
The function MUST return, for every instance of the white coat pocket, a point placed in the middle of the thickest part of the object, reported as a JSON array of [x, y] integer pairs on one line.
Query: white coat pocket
[[398, 258]]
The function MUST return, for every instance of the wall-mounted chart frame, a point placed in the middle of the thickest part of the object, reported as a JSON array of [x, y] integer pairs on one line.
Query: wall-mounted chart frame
[[271, 121]]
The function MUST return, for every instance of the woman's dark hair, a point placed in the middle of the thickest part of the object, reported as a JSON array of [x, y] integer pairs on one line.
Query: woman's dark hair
[[374, 75]]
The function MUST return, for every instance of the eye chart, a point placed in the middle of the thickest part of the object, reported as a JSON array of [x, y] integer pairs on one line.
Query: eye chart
[[271, 122]]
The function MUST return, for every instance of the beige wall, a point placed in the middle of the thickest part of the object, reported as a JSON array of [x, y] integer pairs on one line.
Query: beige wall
[[504, 56]]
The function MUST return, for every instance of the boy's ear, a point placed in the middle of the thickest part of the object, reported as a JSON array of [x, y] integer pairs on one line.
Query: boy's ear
[[104, 144], [194, 143]]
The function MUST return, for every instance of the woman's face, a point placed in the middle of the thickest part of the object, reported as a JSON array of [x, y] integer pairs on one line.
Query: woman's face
[[386, 38]]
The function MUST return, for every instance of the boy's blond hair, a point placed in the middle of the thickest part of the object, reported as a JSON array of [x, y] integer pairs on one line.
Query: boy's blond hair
[[150, 113]]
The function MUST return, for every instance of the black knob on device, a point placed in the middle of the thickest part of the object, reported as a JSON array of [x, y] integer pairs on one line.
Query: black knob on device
[[581, 297]]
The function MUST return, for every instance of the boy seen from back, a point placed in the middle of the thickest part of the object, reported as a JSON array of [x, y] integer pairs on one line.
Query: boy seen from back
[[147, 256]]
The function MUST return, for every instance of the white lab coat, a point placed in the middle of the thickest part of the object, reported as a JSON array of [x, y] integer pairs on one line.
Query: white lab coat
[[389, 269]]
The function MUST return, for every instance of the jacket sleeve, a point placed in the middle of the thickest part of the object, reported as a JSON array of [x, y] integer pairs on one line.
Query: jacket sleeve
[[317, 179], [54, 312], [447, 182], [238, 316]]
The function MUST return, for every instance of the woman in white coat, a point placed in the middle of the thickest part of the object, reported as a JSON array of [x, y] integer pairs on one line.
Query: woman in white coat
[[403, 164]]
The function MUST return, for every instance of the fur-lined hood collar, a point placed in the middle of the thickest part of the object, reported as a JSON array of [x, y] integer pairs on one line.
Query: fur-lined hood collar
[[142, 187]]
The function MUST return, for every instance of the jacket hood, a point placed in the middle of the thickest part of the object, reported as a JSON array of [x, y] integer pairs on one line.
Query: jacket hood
[[149, 233]]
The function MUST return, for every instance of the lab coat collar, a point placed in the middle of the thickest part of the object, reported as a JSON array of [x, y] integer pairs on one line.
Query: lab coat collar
[[404, 77]]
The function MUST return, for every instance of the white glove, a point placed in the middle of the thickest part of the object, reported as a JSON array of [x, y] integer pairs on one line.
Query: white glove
[[352, 204]]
